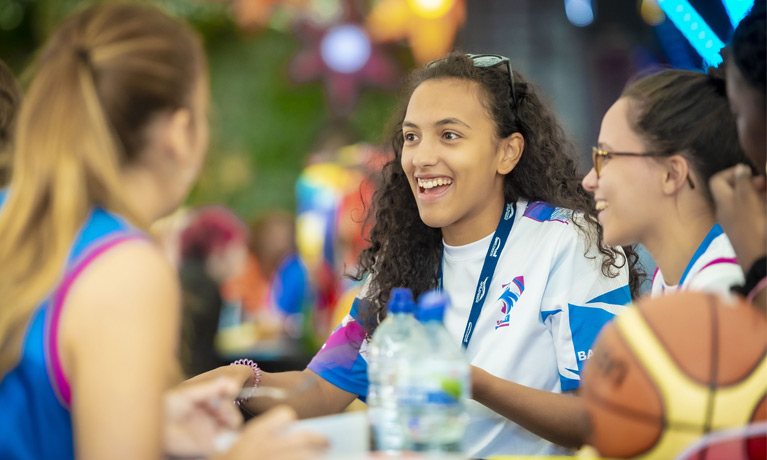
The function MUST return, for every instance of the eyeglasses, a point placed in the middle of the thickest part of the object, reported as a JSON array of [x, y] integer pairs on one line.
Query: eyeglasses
[[486, 61], [598, 156]]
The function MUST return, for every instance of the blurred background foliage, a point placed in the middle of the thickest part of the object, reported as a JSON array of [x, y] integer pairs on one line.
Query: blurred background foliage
[[266, 125], [263, 125]]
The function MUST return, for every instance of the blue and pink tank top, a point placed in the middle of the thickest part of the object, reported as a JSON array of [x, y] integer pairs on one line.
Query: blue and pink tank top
[[35, 396]]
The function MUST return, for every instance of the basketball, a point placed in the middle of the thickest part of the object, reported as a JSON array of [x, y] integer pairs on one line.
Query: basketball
[[673, 369]]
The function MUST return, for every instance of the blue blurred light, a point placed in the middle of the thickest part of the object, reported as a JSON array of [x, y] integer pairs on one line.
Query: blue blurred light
[[346, 48], [695, 29], [579, 12], [737, 10]]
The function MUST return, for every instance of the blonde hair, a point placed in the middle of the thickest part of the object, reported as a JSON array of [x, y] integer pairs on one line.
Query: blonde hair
[[99, 80]]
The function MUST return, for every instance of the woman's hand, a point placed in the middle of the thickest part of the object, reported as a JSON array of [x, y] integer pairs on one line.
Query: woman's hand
[[740, 209], [268, 437], [197, 413]]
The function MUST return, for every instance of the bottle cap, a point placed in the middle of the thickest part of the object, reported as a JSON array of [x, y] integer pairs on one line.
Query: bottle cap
[[432, 306], [401, 301]]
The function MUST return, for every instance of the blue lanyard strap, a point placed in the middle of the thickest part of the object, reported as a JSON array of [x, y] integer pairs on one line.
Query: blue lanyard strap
[[488, 268]]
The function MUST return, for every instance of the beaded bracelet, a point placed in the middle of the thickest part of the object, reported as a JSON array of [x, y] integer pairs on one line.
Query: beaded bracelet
[[256, 374]]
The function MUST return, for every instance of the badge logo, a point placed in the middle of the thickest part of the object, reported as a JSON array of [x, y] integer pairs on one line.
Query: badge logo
[[511, 293]]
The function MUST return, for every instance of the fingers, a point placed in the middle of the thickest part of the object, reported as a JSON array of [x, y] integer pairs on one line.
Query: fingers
[[211, 397], [272, 421], [722, 184], [270, 436], [737, 184], [220, 388]]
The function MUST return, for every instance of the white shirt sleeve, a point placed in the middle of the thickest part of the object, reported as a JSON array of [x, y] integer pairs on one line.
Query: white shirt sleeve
[[577, 302]]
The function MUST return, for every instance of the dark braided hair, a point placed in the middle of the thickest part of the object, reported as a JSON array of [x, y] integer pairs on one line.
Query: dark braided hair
[[405, 252]]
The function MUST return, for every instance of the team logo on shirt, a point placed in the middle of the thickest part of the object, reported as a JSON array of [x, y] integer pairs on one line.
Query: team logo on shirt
[[511, 293]]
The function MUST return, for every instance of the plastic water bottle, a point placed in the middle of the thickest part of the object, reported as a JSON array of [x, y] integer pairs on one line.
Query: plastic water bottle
[[437, 415], [389, 354]]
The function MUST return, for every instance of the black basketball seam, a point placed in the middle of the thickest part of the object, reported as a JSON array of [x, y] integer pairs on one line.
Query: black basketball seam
[[644, 418], [714, 364], [749, 372]]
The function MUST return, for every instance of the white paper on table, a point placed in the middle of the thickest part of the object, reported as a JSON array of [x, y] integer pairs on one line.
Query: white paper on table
[[347, 433]]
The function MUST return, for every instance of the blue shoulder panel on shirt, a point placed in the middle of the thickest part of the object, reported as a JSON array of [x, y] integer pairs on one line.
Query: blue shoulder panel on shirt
[[585, 325], [568, 384], [620, 296]]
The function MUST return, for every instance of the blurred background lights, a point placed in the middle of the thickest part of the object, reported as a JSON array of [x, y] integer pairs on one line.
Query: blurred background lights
[[430, 8], [737, 9], [695, 29], [579, 12], [651, 12], [345, 48]]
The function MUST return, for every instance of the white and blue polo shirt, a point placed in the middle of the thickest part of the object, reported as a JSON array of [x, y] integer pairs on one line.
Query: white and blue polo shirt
[[544, 307]]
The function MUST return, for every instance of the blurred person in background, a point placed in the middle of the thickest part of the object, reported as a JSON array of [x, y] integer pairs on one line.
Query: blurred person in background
[[213, 250], [112, 133], [10, 101], [739, 195]]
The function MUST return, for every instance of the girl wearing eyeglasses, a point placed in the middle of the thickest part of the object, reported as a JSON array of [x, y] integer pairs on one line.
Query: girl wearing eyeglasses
[[659, 144], [482, 174]]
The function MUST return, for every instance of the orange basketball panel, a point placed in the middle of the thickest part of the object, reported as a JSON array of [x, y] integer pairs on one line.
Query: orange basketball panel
[[682, 323], [624, 406], [742, 340]]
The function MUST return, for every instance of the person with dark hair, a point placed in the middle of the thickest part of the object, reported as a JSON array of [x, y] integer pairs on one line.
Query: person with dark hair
[[482, 178], [739, 194], [213, 250], [659, 144], [110, 137], [10, 100]]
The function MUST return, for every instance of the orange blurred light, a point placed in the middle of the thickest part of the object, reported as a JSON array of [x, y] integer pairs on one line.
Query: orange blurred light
[[429, 26]]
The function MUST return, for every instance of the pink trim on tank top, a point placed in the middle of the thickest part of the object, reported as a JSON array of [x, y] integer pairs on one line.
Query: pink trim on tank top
[[721, 260], [59, 381]]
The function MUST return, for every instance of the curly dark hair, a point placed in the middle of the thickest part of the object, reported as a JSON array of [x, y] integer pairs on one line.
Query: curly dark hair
[[405, 252]]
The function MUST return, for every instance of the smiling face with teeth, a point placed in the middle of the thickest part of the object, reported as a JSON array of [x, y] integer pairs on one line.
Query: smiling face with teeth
[[628, 192], [454, 161]]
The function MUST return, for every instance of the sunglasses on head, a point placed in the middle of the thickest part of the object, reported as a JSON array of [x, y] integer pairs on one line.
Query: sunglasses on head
[[487, 61]]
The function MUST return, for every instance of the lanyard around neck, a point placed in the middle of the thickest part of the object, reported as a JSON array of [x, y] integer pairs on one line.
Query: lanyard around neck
[[488, 268]]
